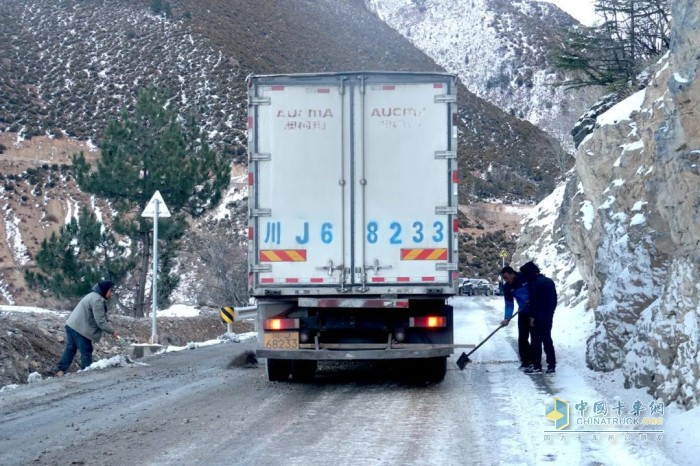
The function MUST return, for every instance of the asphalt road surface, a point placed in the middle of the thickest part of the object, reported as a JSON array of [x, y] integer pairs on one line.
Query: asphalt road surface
[[193, 407]]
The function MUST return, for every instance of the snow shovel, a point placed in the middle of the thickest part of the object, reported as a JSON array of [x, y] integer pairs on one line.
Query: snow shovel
[[464, 358]]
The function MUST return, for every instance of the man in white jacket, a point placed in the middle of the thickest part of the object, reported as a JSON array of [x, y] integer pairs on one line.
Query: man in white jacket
[[85, 325]]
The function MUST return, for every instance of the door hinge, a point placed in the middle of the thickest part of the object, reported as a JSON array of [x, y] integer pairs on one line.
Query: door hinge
[[260, 101], [262, 267], [446, 210], [446, 99], [446, 266], [445, 154], [260, 212]]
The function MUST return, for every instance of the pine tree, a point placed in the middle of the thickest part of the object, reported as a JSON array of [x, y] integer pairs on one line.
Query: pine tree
[[153, 149], [70, 263], [612, 53]]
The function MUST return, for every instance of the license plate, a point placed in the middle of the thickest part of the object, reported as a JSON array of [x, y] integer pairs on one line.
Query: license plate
[[281, 340]]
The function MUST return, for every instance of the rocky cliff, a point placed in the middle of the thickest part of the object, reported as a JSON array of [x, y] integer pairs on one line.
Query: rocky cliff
[[630, 215]]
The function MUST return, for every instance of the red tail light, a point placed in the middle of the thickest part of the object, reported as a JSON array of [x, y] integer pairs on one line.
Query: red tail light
[[428, 321], [281, 324]]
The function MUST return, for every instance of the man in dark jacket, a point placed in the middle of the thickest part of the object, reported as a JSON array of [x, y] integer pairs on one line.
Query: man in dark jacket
[[515, 289], [85, 325], [543, 301]]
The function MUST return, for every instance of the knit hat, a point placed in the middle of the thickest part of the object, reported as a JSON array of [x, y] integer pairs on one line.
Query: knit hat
[[529, 269], [105, 286]]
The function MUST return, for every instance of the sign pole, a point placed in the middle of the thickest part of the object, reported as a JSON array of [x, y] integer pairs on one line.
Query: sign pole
[[154, 332], [153, 209]]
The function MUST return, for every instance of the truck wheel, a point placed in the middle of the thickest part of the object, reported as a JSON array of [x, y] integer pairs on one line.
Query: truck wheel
[[278, 370], [434, 369], [303, 370]]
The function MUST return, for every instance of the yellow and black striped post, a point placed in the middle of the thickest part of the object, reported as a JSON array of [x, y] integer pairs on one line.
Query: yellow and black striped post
[[227, 314]]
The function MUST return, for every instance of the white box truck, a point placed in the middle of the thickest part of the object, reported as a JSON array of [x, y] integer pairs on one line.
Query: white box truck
[[353, 218]]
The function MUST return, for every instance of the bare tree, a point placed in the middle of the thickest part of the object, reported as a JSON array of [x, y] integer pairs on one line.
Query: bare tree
[[226, 264]]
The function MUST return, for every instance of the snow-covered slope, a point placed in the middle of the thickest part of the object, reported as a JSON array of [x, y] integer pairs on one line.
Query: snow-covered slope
[[501, 51]]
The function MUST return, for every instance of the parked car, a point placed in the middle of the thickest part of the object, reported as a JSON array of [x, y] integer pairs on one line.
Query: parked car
[[481, 286], [465, 287], [475, 286]]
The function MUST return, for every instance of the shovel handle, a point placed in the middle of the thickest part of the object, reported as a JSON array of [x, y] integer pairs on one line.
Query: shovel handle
[[490, 335]]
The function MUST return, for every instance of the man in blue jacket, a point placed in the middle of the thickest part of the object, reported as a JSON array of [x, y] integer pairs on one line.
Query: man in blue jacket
[[543, 302], [515, 289]]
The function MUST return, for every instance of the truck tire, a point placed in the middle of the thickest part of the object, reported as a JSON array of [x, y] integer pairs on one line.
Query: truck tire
[[434, 369], [303, 370], [278, 370]]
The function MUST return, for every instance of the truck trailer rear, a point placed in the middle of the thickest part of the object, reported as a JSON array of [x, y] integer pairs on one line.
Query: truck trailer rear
[[353, 218]]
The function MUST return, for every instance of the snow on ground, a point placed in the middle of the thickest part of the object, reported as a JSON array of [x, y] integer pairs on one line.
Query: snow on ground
[[530, 437], [28, 309]]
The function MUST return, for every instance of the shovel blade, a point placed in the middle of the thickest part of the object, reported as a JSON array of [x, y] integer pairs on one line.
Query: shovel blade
[[463, 361]]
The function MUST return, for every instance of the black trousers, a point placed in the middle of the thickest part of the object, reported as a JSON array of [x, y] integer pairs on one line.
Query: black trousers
[[542, 337], [524, 331]]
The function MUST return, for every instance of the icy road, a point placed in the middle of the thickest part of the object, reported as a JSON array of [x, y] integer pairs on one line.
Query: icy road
[[190, 407]]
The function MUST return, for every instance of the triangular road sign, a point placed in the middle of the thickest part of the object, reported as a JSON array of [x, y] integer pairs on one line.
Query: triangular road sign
[[150, 210]]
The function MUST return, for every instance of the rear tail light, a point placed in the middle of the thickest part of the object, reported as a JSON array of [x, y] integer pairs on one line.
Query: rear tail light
[[281, 324], [428, 321]]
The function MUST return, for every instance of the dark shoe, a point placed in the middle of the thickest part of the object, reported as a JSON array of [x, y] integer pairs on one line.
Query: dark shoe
[[550, 370], [524, 367], [533, 370]]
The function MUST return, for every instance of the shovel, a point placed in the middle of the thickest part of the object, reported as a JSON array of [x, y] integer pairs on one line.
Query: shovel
[[464, 358]]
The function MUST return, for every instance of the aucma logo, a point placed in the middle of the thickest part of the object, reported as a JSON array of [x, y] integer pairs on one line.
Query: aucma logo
[[558, 411]]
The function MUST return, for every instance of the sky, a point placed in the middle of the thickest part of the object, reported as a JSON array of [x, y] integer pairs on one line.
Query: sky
[[582, 10]]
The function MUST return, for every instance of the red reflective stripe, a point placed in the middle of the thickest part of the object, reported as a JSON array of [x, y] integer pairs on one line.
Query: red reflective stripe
[[437, 85], [402, 303], [283, 255], [455, 225], [455, 275], [316, 280], [389, 88], [324, 90], [378, 279], [403, 279], [250, 122], [455, 119], [455, 176], [428, 279], [267, 280], [277, 87], [250, 232], [251, 179], [291, 280]]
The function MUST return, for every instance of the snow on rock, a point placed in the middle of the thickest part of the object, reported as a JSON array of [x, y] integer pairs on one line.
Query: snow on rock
[[640, 260], [543, 240], [623, 111]]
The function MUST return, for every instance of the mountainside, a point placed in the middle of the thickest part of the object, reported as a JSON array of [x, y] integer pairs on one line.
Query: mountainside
[[501, 51], [69, 66], [627, 227]]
